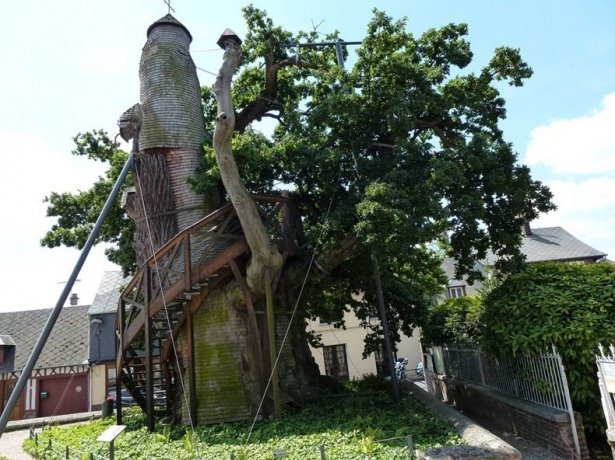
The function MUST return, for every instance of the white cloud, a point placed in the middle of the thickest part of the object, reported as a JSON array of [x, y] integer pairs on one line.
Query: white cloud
[[584, 210], [29, 273], [580, 145]]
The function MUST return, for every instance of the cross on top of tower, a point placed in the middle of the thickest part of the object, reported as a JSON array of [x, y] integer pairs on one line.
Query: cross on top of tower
[[168, 3]]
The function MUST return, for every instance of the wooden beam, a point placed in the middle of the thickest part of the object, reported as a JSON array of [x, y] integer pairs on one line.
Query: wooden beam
[[149, 374], [191, 365], [275, 380]]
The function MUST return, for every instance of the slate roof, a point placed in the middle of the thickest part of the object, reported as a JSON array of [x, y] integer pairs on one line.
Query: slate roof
[[544, 244], [67, 344], [108, 293], [555, 243], [168, 19], [6, 340], [448, 265]]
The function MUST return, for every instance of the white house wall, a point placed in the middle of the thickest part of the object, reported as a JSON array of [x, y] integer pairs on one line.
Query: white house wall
[[353, 337]]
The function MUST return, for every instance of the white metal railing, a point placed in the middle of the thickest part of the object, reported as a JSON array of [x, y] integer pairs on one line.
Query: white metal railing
[[537, 378], [606, 382]]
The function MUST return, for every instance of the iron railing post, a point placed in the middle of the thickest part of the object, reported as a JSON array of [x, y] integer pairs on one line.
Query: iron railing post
[[573, 423]]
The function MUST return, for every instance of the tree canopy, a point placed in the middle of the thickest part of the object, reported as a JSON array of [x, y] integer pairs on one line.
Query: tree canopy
[[383, 158]]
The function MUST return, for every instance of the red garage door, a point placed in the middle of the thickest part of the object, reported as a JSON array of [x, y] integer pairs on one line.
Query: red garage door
[[64, 394]]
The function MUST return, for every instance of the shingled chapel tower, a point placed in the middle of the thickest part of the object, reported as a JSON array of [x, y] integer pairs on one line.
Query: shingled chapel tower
[[168, 129]]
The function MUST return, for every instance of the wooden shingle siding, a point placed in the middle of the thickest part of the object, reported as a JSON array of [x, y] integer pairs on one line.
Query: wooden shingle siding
[[170, 91], [172, 112]]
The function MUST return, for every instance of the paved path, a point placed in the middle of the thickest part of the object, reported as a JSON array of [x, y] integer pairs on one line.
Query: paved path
[[17, 431], [528, 449], [10, 445]]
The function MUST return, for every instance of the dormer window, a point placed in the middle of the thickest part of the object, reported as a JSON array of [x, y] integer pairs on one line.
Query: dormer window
[[455, 292]]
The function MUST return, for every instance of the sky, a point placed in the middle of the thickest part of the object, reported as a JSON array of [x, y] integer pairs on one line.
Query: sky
[[70, 66]]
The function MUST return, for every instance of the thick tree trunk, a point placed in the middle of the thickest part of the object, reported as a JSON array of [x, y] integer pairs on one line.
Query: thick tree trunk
[[151, 205]]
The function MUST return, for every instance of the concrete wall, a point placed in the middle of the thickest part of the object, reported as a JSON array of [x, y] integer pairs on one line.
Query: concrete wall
[[548, 427]]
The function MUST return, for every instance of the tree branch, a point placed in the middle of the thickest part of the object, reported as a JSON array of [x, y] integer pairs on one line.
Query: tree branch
[[265, 254], [266, 98], [338, 255]]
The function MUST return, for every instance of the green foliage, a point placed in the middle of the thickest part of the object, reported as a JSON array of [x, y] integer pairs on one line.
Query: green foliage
[[569, 305], [454, 322], [350, 428]]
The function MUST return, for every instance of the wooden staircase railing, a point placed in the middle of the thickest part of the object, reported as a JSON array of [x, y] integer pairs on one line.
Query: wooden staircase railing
[[170, 286]]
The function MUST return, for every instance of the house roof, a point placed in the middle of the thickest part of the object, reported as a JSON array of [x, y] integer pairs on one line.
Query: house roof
[[544, 244], [67, 343], [448, 265], [6, 340], [108, 293], [553, 244]]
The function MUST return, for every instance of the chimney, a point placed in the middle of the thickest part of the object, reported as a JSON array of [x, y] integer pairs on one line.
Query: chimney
[[527, 230], [74, 299]]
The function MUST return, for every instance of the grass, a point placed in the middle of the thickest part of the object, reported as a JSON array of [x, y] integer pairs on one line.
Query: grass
[[350, 427]]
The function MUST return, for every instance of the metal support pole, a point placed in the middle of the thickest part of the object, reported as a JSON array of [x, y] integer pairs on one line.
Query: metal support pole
[[385, 327], [322, 452], [275, 378], [480, 366], [38, 348], [340, 54], [112, 450]]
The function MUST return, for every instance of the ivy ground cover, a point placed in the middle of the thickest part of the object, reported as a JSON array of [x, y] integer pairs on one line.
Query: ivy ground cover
[[353, 426]]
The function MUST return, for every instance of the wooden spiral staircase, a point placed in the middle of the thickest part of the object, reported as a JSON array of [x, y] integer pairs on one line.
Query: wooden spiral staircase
[[160, 299]]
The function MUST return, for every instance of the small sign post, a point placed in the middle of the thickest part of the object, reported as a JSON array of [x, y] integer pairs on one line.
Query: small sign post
[[109, 436]]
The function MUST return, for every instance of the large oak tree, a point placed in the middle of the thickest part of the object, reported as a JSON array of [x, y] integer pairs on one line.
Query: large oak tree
[[388, 156]]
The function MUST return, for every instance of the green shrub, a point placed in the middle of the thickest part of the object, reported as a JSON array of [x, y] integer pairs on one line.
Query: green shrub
[[569, 305], [454, 322]]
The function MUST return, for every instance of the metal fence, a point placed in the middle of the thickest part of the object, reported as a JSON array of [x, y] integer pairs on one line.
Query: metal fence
[[606, 383], [539, 378]]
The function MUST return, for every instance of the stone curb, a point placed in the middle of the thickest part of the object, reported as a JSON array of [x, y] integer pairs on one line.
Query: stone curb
[[57, 420], [481, 444]]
